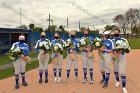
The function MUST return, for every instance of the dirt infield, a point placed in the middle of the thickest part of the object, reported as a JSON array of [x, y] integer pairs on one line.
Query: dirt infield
[[133, 80]]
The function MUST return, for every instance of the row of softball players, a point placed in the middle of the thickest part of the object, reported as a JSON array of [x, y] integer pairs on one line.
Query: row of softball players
[[87, 62]]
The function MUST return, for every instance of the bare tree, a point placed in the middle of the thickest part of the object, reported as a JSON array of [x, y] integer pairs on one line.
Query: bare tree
[[121, 21], [22, 27], [133, 19], [129, 20]]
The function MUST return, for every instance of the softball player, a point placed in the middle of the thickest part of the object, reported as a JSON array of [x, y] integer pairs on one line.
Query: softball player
[[120, 63], [87, 61], [42, 65], [60, 58], [20, 64], [106, 58], [70, 61]]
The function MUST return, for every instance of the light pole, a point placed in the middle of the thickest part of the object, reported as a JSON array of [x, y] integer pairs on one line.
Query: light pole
[[67, 23], [63, 32], [79, 25], [51, 21]]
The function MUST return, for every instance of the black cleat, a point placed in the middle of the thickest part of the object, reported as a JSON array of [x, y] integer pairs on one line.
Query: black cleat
[[17, 86], [105, 85], [24, 84], [46, 80], [102, 81], [40, 81]]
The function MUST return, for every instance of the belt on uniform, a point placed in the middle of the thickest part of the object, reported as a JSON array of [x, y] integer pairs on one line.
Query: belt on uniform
[[105, 52], [17, 58], [122, 53], [86, 51]]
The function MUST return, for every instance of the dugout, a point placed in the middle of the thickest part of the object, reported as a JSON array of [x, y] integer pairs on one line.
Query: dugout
[[10, 35]]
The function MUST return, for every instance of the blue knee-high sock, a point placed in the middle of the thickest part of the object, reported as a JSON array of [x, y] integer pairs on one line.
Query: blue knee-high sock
[[123, 81], [17, 78], [68, 73], [85, 73], [107, 77], [76, 72], [55, 71], [103, 75], [117, 76], [60, 71], [23, 77], [40, 73], [46, 73], [91, 73]]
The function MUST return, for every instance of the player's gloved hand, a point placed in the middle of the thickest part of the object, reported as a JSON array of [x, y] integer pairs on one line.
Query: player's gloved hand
[[117, 52]]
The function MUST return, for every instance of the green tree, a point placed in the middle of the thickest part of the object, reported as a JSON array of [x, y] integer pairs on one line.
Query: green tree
[[82, 29], [38, 29], [95, 31], [109, 27], [52, 28], [61, 28], [22, 27], [31, 26]]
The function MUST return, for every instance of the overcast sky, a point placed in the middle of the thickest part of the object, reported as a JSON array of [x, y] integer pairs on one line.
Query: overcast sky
[[88, 12]]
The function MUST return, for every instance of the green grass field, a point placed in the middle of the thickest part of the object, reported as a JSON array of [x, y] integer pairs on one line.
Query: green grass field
[[134, 43], [10, 71], [4, 59], [33, 54]]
